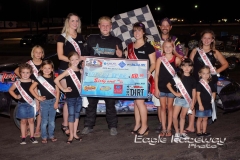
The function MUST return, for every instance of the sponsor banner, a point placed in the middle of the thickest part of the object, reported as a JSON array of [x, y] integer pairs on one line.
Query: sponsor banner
[[10, 24], [119, 78], [1, 24]]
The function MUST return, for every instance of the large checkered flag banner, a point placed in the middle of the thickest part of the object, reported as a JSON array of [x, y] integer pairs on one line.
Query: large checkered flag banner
[[122, 25]]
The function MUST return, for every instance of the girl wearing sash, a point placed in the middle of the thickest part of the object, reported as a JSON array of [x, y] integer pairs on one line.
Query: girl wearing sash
[[37, 55], [140, 49], [165, 70], [206, 93], [26, 108], [73, 90], [69, 40], [183, 86], [49, 99], [206, 54]]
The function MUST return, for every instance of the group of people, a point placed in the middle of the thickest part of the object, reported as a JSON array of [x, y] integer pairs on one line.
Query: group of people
[[182, 82]]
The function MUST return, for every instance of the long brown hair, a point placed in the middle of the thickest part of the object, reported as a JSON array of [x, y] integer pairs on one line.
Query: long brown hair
[[45, 62], [25, 66], [205, 67], [72, 53], [212, 45], [140, 25]]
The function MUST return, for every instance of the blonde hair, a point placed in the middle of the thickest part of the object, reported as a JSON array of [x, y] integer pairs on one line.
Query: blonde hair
[[35, 47], [66, 24], [168, 41], [104, 18]]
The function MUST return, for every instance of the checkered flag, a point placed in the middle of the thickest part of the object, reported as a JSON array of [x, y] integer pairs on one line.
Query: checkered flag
[[122, 25]]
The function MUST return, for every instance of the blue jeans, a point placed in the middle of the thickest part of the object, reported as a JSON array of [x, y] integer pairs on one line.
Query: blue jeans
[[48, 113], [164, 94], [181, 102], [74, 108]]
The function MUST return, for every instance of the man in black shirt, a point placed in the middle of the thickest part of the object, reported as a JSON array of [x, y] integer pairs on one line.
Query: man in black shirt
[[102, 45]]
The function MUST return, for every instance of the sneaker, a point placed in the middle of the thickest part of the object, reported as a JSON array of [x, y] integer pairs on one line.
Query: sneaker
[[33, 140], [87, 130], [113, 131], [159, 128], [23, 141], [206, 134], [184, 136], [199, 134], [176, 137]]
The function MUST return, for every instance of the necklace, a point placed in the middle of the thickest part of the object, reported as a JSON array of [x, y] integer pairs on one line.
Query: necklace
[[73, 35]]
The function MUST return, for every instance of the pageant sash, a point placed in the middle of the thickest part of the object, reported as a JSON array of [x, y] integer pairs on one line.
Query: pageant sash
[[207, 62], [75, 45], [48, 86], [75, 79], [168, 65], [34, 68], [182, 89], [78, 86], [132, 55], [25, 96], [207, 87]]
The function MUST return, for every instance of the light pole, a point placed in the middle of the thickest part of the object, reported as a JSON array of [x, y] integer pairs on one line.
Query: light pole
[[48, 16], [30, 8], [37, 12]]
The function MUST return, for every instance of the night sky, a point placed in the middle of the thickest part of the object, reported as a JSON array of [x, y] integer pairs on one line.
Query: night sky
[[90, 11]]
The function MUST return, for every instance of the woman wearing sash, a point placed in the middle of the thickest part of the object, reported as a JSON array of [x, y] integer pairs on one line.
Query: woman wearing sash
[[27, 106], [165, 70], [73, 90], [183, 86], [37, 55], [141, 49], [69, 40], [49, 99], [206, 93], [206, 54]]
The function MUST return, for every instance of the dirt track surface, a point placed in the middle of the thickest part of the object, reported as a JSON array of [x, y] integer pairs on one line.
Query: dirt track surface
[[100, 145]]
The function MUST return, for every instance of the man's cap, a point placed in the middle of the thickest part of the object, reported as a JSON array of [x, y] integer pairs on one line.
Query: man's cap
[[166, 19]]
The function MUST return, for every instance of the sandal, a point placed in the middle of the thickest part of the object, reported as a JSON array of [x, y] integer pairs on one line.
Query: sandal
[[163, 133], [168, 133], [37, 134], [64, 129], [53, 139], [69, 141], [44, 141]]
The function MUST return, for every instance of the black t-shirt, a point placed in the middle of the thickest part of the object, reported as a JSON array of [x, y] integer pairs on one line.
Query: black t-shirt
[[205, 96], [25, 86], [144, 51], [70, 83], [189, 83], [68, 47], [165, 76], [198, 64], [32, 75], [44, 91], [102, 46]]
